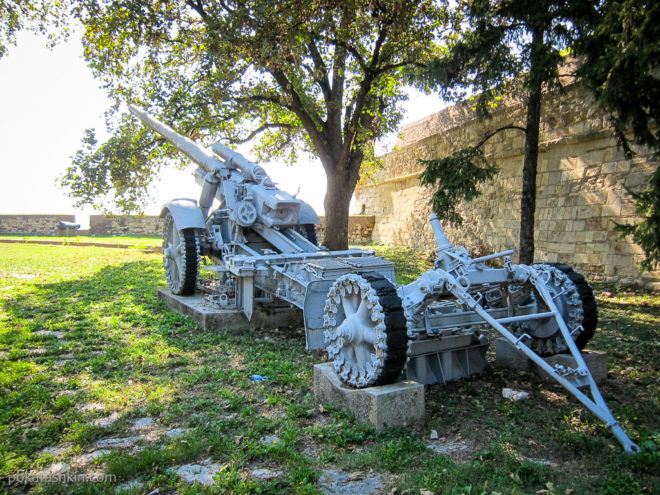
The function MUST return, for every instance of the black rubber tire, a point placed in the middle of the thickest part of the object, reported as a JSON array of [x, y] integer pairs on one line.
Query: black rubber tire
[[395, 327], [309, 231], [589, 306], [189, 282], [186, 280]]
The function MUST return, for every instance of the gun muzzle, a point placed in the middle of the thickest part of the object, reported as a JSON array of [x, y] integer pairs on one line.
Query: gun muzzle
[[198, 154]]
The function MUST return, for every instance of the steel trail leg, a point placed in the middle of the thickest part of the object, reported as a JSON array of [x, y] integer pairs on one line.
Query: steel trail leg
[[245, 295], [596, 405]]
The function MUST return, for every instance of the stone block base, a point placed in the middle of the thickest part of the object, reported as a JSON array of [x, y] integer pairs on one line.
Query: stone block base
[[508, 356], [596, 362], [395, 405], [211, 318]]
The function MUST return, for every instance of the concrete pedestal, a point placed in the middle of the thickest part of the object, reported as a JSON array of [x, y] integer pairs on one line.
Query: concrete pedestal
[[210, 317], [508, 356], [596, 362], [395, 405]]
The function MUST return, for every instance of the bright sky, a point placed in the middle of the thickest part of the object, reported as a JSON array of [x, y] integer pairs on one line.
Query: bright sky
[[48, 98]]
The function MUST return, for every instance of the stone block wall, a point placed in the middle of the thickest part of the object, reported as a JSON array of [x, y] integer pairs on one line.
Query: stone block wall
[[33, 224], [136, 225], [360, 228], [581, 184]]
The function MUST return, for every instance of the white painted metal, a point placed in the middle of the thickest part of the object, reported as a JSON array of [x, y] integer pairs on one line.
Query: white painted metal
[[458, 275], [198, 154], [255, 238], [356, 330]]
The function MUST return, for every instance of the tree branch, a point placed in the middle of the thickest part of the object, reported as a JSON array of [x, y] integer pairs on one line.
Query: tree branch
[[197, 6], [350, 49], [382, 34], [261, 129], [351, 126], [322, 69], [265, 98], [298, 108], [496, 131]]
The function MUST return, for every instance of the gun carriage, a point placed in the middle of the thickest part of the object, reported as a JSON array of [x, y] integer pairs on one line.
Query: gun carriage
[[263, 247]]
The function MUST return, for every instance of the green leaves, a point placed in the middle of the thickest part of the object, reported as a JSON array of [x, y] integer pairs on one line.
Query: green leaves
[[125, 164], [646, 233], [292, 77], [46, 17], [622, 59], [456, 178]]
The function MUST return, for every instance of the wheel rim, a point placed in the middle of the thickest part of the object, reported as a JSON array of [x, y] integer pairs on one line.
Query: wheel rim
[[355, 331], [171, 247], [547, 339]]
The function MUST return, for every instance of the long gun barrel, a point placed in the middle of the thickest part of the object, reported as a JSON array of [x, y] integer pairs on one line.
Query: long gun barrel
[[201, 156], [187, 146]]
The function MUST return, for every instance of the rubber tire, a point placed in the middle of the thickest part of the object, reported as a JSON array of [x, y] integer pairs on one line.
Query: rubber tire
[[589, 306], [308, 230], [395, 328], [187, 280]]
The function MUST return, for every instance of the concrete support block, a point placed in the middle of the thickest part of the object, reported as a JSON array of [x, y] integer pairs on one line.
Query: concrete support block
[[596, 362], [508, 356], [395, 405], [211, 318]]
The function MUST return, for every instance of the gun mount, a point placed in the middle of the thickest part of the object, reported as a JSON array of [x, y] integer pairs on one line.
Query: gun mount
[[262, 242]]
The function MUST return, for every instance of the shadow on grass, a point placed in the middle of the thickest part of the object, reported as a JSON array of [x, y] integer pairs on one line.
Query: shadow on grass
[[106, 339], [122, 348]]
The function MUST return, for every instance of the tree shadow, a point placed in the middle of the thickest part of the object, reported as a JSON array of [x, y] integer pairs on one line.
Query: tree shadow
[[103, 338]]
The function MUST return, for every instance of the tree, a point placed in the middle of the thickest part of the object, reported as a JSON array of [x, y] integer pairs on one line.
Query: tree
[[507, 42], [35, 15], [621, 65], [317, 76]]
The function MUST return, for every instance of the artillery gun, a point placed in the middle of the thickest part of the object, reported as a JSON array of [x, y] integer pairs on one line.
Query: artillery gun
[[262, 242]]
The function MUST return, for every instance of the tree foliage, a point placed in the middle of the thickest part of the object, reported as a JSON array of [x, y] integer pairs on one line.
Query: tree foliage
[[496, 52], [35, 15], [456, 178], [510, 46], [292, 76], [622, 66]]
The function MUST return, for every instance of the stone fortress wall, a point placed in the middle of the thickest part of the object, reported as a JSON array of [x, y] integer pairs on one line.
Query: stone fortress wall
[[136, 225], [581, 184], [33, 224], [359, 226]]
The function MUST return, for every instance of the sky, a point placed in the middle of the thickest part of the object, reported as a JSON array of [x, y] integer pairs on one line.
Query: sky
[[49, 97]]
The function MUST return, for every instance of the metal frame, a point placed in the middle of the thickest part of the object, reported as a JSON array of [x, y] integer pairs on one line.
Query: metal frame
[[457, 274], [262, 257]]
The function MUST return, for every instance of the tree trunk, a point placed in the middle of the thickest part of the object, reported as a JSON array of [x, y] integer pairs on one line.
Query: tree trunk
[[528, 200], [337, 202]]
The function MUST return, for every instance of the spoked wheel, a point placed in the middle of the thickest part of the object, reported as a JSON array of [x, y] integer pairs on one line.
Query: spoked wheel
[[180, 257], [575, 300], [365, 332]]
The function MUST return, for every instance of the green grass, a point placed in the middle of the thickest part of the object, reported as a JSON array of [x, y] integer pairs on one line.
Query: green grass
[[123, 350], [106, 239]]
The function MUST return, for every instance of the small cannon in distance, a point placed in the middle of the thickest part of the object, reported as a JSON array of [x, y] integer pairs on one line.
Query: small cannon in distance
[[434, 330], [67, 226]]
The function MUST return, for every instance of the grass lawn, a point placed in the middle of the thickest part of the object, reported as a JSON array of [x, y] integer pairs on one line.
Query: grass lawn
[[97, 375], [106, 239]]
